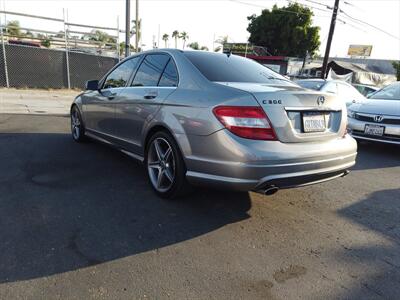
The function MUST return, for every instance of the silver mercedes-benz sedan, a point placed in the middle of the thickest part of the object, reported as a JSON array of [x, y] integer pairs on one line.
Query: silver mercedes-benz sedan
[[196, 117], [378, 117]]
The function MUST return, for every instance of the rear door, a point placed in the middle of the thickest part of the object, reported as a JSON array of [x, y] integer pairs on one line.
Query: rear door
[[155, 79], [99, 106]]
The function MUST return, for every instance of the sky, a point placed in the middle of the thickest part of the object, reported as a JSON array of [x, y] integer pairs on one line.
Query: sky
[[206, 20]]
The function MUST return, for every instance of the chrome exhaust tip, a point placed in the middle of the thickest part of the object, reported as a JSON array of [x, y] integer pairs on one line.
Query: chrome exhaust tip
[[270, 190], [345, 173]]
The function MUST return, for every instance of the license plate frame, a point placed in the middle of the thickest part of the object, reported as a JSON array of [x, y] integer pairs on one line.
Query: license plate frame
[[313, 122], [374, 130]]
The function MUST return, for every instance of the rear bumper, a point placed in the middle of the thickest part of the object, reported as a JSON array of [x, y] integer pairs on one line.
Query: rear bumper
[[278, 164], [391, 133]]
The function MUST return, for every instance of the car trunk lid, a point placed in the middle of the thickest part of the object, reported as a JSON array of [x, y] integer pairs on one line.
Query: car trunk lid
[[298, 115]]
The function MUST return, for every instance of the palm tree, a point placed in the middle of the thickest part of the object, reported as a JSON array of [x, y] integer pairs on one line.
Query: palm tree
[[165, 38], [175, 35], [184, 36], [221, 40]]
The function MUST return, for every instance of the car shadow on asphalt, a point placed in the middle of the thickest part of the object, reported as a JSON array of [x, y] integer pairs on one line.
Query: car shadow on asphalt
[[66, 206], [379, 213], [369, 151]]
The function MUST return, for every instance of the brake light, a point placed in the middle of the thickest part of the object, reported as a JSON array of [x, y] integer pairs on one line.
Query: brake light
[[249, 122]]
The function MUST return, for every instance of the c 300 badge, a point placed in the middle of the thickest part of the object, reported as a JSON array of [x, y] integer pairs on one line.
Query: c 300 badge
[[272, 102]]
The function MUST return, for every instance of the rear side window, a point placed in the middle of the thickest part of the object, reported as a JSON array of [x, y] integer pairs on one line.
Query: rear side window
[[170, 75], [150, 70], [233, 68], [120, 75]]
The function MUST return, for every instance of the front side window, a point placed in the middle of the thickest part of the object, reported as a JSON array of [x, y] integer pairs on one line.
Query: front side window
[[150, 70], [120, 75], [391, 92], [170, 75]]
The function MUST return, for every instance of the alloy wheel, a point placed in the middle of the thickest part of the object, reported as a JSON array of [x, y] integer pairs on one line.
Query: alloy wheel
[[161, 164], [75, 124]]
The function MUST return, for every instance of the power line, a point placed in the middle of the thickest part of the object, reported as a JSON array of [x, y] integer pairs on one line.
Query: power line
[[351, 25], [368, 24], [309, 6], [260, 6], [319, 3]]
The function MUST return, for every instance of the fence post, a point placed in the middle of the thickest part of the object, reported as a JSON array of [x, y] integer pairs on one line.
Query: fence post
[[4, 55], [66, 50], [117, 46]]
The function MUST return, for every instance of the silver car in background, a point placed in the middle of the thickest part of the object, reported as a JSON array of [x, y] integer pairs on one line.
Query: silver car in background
[[345, 91], [196, 117], [378, 118]]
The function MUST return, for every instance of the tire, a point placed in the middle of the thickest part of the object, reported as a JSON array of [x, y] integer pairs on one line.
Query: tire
[[165, 166], [77, 127]]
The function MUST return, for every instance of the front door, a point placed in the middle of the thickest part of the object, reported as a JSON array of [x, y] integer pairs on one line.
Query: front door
[[154, 81], [99, 106]]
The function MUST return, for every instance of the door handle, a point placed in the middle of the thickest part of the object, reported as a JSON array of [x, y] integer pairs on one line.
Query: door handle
[[111, 96], [151, 95]]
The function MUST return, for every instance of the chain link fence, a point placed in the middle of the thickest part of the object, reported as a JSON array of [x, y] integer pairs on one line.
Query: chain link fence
[[30, 67], [35, 58]]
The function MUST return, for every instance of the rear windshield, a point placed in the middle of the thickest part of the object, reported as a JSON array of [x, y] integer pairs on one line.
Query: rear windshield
[[310, 84], [223, 68]]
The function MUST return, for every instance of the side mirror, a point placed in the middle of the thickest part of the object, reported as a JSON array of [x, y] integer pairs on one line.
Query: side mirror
[[92, 85]]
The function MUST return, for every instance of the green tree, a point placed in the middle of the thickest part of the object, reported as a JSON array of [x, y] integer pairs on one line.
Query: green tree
[[285, 31], [194, 46], [175, 35], [217, 49], [13, 28], [100, 36], [204, 48], [396, 66], [122, 48], [165, 38], [45, 43], [184, 36]]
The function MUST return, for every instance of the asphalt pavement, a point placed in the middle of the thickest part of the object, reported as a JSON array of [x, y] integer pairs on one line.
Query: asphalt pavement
[[79, 221]]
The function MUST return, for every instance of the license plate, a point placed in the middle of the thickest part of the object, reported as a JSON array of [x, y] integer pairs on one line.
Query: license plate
[[314, 122], [374, 130]]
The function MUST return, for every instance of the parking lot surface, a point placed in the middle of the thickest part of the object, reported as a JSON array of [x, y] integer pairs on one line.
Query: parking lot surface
[[80, 221]]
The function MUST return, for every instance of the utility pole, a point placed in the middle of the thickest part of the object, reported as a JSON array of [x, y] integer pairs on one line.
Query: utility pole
[[137, 27], [330, 36], [128, 28]]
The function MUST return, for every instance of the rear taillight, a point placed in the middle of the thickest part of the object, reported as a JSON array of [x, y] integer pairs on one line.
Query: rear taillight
[[248, 122]]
